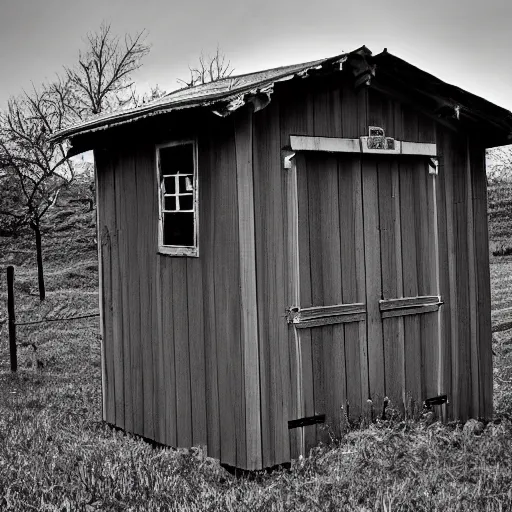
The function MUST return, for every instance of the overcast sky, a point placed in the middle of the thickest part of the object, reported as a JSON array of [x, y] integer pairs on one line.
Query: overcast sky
[[464, 42]]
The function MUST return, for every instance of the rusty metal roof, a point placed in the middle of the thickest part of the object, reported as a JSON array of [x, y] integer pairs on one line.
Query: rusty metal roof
[[228, 91]]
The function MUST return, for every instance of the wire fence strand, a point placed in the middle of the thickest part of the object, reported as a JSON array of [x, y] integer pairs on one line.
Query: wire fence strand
[[57, 319]]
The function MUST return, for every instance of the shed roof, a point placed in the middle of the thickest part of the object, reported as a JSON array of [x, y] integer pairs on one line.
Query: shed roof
[[224, 90], [226, 95]]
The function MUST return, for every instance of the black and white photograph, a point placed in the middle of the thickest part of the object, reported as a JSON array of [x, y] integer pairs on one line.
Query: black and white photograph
[[255, 256]]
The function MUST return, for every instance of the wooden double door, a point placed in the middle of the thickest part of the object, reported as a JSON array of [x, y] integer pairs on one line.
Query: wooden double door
[[366, 294]]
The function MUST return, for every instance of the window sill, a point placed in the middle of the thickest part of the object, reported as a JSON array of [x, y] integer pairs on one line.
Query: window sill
[[178, 251]]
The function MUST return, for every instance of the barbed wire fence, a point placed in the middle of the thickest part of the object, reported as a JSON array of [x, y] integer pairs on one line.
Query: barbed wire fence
[[65, 312]]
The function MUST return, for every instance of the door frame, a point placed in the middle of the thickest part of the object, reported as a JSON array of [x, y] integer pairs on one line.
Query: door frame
[[300, 318]]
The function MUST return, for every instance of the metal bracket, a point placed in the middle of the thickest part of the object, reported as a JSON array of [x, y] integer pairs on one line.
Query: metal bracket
[[433, 166], [287, 158], [304, 422], [436, 400]]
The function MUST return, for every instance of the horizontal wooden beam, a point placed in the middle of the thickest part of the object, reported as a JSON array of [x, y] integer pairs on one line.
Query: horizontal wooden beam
[[317, 316], [410, 311], [328, 144], [408, 302], [330, 320], [301, 314], [360, 145], [419, 148]]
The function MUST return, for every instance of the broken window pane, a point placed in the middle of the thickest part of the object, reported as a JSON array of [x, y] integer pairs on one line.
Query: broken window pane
[[178, 228], [177, 159]]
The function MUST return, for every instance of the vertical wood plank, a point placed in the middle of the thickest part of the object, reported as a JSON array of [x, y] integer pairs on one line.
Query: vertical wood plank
[[425, 261], [362, 110], [462, 275], [400, 327], [249, 305], [348, 175], [376, 111], [327, 120], [393, 358], [271, 281], [410, 282], [361, 270], [132, 197], [454, 317], [295, 118], [481, 244], [277, 293], [159, 402], [305, 338], [169, 366], [262, 223], [333, 340], [181, 352], [227, 300], [426, 129], [473, 311], [101, 173], [435, 263], [117, 300], [111, 335], [197, 352], [409, 123], [99, 221], [207, 177], [293, 300], [373, 281], [444, 278], [122, 199], [154, 306], [316, 172], [144, 175], [349, 118], [361, 273]]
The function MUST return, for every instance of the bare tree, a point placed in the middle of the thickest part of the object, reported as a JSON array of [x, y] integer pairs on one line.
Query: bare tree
[[12, 216], [102, 79], [499, 164], [210, 69], [154, 93], [34, 168]]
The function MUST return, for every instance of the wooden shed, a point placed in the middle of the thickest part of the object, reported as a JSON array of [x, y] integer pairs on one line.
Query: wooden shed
[[283, 249]]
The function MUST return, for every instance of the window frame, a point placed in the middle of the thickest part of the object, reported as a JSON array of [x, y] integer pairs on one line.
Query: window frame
[[178, 250]]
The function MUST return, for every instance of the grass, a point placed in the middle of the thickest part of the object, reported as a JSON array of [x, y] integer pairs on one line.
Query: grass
[[56, 454]]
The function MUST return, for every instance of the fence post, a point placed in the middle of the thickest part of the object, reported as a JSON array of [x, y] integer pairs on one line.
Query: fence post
[[11, 319]]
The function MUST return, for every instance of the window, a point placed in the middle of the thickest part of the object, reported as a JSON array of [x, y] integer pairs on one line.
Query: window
[[178, 208]]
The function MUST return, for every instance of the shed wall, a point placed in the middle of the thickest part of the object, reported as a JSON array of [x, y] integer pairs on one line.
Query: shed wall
[[172, 343], [331, 108]]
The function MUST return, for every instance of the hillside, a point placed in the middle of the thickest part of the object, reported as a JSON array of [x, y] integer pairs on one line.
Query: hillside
[[55, 453]]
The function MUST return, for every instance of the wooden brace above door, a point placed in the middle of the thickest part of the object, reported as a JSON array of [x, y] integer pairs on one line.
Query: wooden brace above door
[[372, 144]]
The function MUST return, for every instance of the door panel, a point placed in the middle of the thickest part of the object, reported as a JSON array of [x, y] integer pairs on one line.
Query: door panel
[[366, 235], [331, 272]]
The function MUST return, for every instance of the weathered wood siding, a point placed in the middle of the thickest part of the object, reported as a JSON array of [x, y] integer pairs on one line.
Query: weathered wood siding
[[337, 363], [185, 365], [173, 357]]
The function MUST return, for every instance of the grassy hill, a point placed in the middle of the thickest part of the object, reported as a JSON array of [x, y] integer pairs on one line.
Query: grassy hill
[[55, 453]]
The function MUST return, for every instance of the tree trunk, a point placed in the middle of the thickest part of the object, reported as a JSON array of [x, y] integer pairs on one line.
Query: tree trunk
[[39, 252]]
